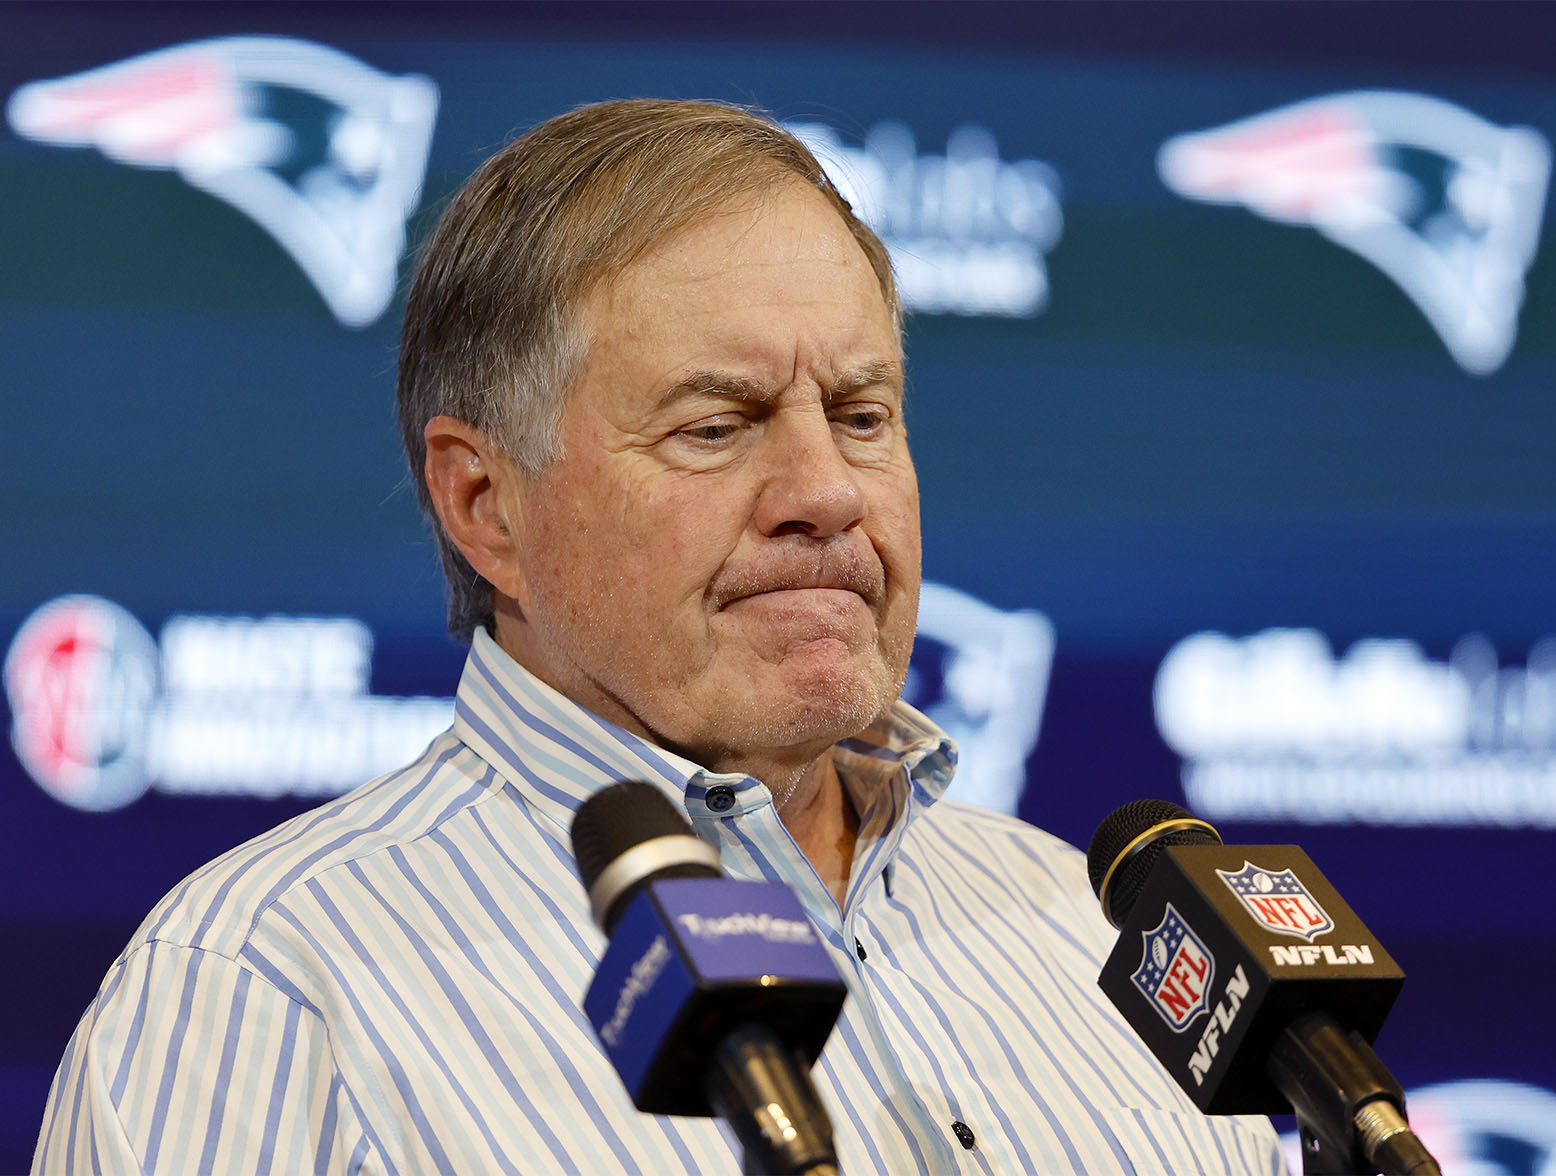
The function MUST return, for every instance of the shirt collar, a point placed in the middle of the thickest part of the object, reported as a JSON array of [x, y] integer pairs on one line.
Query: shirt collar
[[557, 754]]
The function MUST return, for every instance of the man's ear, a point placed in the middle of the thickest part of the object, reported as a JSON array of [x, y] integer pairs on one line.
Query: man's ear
[[472, 484]]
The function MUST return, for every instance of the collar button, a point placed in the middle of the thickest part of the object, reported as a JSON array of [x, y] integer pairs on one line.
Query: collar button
[[721, 798]]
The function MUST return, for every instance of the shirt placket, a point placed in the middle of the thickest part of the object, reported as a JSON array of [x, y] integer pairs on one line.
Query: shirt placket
[[755, 845]]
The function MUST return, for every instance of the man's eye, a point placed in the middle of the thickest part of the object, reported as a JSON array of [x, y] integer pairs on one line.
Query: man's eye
[[862, 419], [711, 431]]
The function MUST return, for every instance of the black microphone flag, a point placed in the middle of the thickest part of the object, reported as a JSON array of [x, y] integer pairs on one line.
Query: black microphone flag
[[1226, 945], [1254, 984]]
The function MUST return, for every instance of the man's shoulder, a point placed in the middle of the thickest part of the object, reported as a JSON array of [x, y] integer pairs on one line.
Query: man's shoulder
[[217, 907], [1001, 828], [997, 852]]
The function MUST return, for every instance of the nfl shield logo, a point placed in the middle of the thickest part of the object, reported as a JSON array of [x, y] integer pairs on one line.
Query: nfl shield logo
[[1278, 901], [1176, 970]]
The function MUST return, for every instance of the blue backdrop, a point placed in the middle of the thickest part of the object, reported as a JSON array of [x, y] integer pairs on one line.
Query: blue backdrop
[[1233, 378]]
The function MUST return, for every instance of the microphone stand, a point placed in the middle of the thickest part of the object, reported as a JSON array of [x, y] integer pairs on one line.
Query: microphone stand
[[780, 1123], [1350, 1110]]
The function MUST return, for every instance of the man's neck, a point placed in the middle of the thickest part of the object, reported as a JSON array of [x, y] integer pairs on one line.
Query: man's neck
[[811, 800], [817, 812]]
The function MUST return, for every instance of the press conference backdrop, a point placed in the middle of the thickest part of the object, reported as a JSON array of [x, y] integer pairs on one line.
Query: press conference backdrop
[[1233, 393]]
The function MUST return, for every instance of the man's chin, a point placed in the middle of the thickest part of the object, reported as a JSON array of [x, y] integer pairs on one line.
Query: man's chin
[[830, 700]]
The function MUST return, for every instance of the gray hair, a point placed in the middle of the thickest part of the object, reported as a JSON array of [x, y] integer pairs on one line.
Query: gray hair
[[491, 333]]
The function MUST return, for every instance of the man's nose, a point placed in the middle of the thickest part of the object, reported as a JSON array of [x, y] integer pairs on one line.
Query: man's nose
[[808, 486]]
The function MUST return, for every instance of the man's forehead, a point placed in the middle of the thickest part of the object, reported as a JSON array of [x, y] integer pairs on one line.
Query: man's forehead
[[789, 221], [762, 295]]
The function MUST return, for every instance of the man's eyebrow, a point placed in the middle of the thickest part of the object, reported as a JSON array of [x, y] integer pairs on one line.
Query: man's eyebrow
[[885, 371], [712, 382], [715, 383]]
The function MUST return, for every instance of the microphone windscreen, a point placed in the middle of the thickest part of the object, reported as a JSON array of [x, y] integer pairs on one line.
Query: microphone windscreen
[[617, 818], [1127, 844]]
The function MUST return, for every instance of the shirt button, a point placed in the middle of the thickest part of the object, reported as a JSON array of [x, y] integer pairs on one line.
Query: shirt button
[[859, 951], [721, 799], [963, 1134]]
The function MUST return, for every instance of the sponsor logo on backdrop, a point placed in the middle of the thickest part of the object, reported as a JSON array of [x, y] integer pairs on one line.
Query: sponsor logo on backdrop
[[982, 674], [968, 232], [1176, 970], [279, 705], [1446, 204], [1477, 1127], [1278, 901], [325, 153], [1274, 726], [220, 706], [81, 676]]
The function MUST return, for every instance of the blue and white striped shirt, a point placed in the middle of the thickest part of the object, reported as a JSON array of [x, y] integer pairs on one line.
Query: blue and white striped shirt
[[391, 983]]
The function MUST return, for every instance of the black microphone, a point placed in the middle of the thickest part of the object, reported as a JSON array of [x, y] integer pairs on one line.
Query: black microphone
[[1254, 984], [714, 996]]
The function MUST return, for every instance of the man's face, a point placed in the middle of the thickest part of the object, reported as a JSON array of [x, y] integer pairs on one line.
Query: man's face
[[726, 555]]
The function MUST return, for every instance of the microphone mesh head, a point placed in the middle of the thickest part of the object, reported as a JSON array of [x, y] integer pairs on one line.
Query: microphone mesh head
[[1113, 838], [615, 819]]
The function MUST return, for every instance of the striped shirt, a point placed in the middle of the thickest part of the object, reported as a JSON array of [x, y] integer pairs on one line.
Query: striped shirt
[[391, 983]]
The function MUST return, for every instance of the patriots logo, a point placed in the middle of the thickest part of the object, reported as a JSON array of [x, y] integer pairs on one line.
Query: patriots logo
[[982, 675], [325, 153], [1445, 203]]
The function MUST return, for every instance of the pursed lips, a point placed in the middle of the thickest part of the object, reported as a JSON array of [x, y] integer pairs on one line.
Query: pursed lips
[[854, 576], [814, 611], [811, 597]]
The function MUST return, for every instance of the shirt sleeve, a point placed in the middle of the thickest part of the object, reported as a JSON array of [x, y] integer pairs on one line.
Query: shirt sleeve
[[188, 1061]]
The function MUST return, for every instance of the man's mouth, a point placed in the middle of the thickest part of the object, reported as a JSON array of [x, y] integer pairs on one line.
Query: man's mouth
[[841, 578]]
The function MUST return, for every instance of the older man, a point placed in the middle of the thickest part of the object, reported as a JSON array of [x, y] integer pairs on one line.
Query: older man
[[652, 376]]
